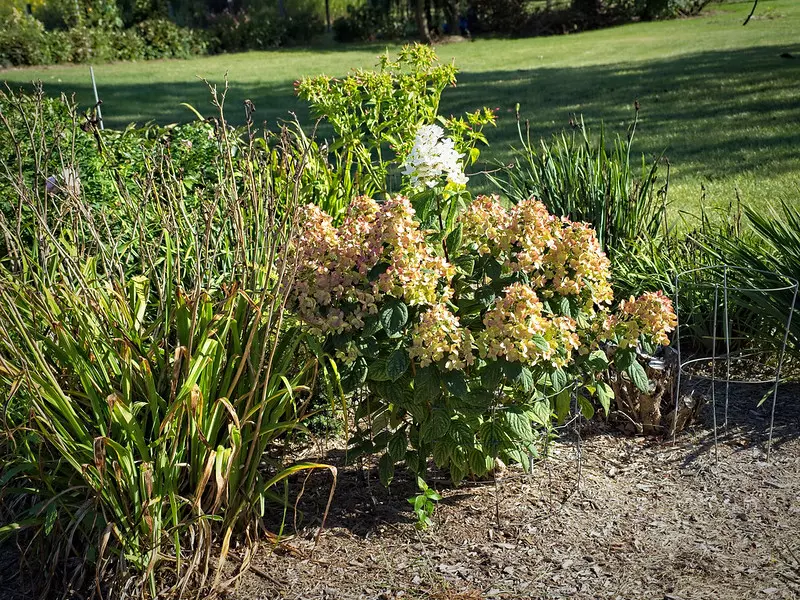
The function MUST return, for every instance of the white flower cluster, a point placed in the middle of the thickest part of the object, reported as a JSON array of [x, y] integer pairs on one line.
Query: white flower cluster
[[432, 157]]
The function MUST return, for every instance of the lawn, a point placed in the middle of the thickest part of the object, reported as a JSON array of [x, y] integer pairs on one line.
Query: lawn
[[717, 97]]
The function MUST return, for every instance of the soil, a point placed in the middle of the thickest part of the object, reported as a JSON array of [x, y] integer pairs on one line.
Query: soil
[[634, 518], [605, 516]]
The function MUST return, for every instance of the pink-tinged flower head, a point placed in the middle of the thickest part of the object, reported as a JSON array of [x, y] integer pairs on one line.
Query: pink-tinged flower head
[[346, 271], [517, 329], [650, 315], [438, 336]]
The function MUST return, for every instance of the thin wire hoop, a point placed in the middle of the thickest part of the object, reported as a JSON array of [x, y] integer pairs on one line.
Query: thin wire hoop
[[785, 284]]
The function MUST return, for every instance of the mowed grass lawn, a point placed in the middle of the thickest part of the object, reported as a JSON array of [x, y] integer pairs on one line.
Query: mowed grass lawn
[[717, 97]]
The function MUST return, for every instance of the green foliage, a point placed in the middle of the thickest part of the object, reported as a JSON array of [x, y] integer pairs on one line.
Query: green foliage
[[163, 39], [375, 116], [590, 182], [147, 343], [424, 504], [23, 41], [261, 27], [768, 255]]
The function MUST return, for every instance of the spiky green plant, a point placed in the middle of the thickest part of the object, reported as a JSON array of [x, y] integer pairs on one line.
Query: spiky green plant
[[150, 347]]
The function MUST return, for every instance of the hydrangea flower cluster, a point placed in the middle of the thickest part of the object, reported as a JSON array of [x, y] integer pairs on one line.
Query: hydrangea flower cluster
[[651, 315], [561, 257], [344, 272], [432, 157], [516, 329], [438, 336]]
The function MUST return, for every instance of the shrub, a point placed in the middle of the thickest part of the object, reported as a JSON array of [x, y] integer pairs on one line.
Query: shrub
[[60, 46], [163, 39], [128, 45], [464, 350], [261, 28], [23, 41]]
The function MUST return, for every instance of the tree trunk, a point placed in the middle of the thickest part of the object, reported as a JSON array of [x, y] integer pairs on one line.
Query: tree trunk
[[453, 21], [422, 22], [328, 14]]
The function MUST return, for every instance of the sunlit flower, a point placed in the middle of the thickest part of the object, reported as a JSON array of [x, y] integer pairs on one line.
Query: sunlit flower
[[432, 157], [438, 336]]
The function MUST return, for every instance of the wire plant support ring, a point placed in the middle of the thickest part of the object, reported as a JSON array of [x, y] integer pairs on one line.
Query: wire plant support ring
[[748, 312]]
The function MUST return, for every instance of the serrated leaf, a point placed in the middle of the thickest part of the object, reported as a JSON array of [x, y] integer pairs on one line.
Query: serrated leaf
[[585, 406], [427, 386], [441, 452], [558, 379], [397, 364], [380, 422], [398, 445], [605, 395], [493, 437], [541, 343], [480, 463], [519, 375], [456, 384], [378, 370], [639, 377], [457, 473], [493, 269], [466, 263], [492, 375], [412, 461], [393, 317], [356, 374], [386, 469], [436, 427], [541, 412], [518, 423], [562, 405], [564, 307], [597, 360], [485, 296], [623, 359], [453, 241]]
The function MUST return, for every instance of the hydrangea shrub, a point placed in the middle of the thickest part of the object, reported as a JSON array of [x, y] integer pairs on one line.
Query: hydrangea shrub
[[469, 358]]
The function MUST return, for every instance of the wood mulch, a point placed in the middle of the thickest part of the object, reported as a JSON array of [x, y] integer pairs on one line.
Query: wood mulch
[[634, 518]]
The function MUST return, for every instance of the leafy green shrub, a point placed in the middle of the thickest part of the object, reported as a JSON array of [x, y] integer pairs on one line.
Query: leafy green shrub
[[60, 46], [261, 28], [128, 45], [163, 39], [462, 337], [23, 41], [375, 116], [58, 14]]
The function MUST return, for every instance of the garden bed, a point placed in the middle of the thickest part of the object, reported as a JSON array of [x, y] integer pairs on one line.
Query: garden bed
[[648, 520]]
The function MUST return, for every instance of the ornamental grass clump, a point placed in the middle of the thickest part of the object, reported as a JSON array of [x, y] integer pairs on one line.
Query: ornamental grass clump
[[155, 373], [465, 344]]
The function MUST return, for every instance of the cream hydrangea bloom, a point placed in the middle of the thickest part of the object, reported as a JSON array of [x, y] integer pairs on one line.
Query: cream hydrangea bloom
[[432, 157]]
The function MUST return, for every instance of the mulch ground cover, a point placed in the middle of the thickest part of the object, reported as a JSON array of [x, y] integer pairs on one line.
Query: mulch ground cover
[[634, 518]]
